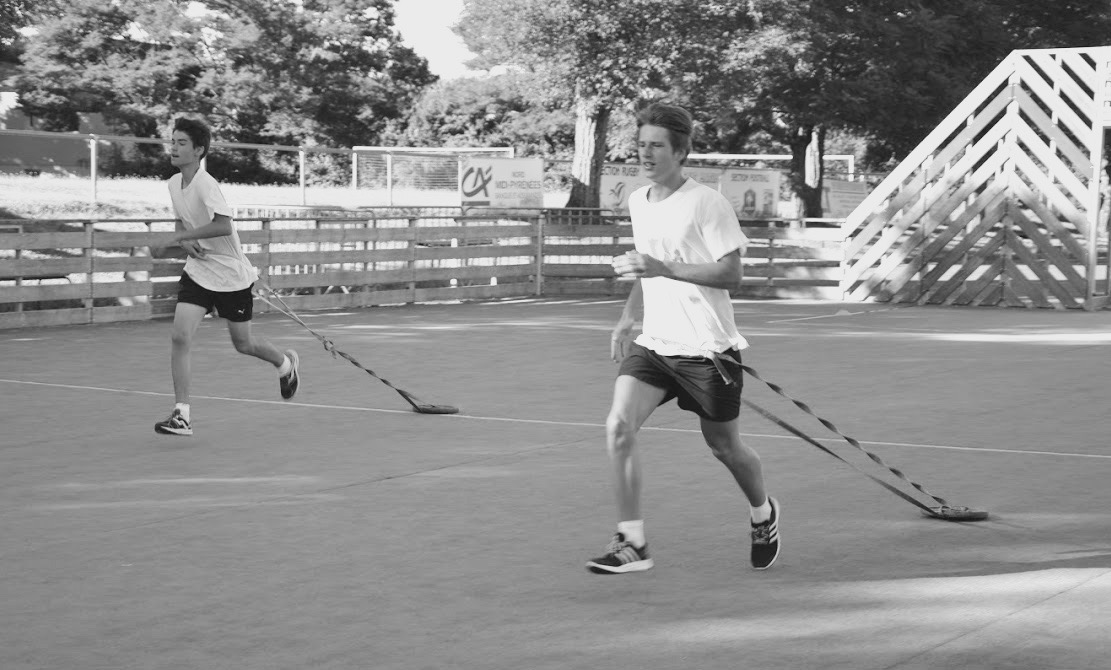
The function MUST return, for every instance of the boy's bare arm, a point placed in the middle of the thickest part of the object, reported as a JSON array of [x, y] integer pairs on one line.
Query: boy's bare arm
[[725, 273], [220, 226], [622, 332]]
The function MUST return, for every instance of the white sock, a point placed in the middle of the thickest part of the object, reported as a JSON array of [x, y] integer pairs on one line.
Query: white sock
[[285, 367], [184, 407], [633, 531], [762, 513]]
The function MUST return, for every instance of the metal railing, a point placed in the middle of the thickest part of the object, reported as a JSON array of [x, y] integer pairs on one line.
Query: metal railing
[[364, 160]]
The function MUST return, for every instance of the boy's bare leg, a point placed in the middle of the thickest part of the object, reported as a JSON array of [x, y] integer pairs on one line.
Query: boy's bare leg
[[633, 402], [724, 439], [186, 319], [246, 343]]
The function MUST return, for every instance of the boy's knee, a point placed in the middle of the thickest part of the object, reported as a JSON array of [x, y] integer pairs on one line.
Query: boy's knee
[[619, 432], [243, 345], [180, 337], [731, 451]]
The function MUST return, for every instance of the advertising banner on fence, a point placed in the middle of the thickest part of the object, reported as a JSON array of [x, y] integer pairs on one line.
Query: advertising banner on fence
[[840, 198], [753, 193], [618, 181], [501, 182], [705, 175]]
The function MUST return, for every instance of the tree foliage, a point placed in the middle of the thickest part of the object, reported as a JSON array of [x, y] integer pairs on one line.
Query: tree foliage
[[791, 72], [760, 76], [329, 72], [805, 68], [498, 110], [598, 56]]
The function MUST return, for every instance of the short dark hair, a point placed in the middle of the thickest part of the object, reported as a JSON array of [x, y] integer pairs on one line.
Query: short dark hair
[[198, 133], [676, 120]]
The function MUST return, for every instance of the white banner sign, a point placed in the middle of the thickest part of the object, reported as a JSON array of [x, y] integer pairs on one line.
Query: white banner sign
[[501, 182], [753, 193], [705, 175], [840, 198], [618, 181]]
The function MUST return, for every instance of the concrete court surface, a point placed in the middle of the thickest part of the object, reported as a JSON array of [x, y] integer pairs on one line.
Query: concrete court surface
[[341, 530]]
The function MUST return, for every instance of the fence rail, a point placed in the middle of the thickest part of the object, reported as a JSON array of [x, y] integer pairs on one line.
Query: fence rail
[[65, 272]]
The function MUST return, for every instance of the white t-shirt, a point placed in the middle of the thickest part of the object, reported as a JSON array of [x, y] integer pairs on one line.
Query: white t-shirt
[[695, 224], [225, 267]]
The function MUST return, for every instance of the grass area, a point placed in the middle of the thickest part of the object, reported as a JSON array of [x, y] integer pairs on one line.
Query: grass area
[[48, 197]]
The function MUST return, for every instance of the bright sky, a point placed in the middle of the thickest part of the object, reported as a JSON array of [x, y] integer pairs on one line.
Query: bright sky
[[425, 25]]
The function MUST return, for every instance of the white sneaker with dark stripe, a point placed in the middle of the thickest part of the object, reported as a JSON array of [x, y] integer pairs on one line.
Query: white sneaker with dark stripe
[[765, 539], [621, 556]]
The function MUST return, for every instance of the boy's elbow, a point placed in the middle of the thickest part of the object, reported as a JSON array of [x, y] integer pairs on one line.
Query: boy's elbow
[[734, 281]]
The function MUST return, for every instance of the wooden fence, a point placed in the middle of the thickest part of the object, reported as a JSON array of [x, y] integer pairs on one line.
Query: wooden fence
[[94, 271]]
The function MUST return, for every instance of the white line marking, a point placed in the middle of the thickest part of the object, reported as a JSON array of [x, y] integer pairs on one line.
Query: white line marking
[[548, 422], [235, 501], [840, 312], [281, 479]]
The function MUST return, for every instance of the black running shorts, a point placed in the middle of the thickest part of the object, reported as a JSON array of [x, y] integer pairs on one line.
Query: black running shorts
[[230, 305], [694, 380]]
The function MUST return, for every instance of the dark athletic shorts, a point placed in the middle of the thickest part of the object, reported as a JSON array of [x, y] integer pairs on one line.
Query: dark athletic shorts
[[694, 380], [230, 305]]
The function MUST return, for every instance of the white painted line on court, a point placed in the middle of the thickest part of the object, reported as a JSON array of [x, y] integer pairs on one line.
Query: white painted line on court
[[233, 481], [548, 422], [840, 312], [230, 501]]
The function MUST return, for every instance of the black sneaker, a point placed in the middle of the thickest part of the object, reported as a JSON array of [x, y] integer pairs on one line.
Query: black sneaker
[[175, 425], [291, 381], [621, 556], [765, 539]]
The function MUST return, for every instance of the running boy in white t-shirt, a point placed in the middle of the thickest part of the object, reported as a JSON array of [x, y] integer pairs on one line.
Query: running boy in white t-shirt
[[687, 259], [217, 277]]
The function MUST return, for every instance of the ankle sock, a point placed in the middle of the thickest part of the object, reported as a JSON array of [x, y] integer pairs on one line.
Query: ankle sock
[[285, 367], [762, 513], [633, 531], [184, 408]]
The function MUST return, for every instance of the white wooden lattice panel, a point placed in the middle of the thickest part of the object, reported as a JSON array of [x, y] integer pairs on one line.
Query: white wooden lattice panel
[[998, 205]]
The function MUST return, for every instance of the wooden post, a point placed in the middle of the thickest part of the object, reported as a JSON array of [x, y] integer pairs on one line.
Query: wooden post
[[89, 278], [413, 260], [19, 280], [92, 164], [771, 257], [301, 172], [264, 271], [389, 179], [540, 220], [1095, 298]]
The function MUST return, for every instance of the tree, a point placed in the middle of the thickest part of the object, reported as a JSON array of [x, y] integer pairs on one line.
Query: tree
[[15, 15], [600, 56], [94, 58], [497, 110], [330, 72], [889, 71]]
